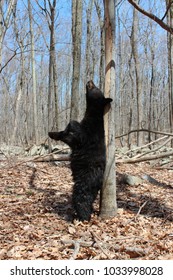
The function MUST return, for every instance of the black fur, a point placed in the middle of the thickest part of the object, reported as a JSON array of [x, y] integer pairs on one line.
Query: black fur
[[88, 157]]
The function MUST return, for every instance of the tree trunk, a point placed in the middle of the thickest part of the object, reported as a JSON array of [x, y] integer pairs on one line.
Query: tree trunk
[[108, 193], [34, 85], [19, 92], [151, 96], [52, 91], [76, 40], [88, 42], [19, 85], [4, 21], [170, 65], [134, 44], [102, 46]]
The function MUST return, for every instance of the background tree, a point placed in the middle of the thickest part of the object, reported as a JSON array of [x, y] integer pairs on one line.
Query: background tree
[[34, 85], [169, 4], [168, 27], [102, 45], [76, 50], [49, 10], [88, 58], [137, 66], [153, 53], [20, 81], [5, 18]]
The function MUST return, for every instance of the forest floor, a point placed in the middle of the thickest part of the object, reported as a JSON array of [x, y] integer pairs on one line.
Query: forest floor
[[36, 216]]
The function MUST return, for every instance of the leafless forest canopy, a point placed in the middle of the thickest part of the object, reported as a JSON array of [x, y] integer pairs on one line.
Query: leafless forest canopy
[[36, 63]]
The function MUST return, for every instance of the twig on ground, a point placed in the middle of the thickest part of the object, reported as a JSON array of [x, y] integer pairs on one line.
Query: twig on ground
[[96, 238], [76, 250], [140, 208], [76, 244]]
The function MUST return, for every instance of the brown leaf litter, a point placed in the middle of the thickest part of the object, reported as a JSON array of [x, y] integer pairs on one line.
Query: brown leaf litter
[[36, 217]]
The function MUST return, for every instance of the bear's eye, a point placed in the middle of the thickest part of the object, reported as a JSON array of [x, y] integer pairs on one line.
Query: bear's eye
[[71, 133]]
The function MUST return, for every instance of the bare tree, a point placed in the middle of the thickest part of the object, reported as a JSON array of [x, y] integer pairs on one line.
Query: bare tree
[[20, 83], [108, 193], [5, 21], [134, 44], [52, 69], [89, 73], [170, 61], [76, 41], [34, 85], [102, 45], [50, 14], [165, 26], [168, 27], [16, 78]]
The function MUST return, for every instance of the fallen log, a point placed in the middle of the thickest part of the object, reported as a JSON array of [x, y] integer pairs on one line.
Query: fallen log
[[51, 157]]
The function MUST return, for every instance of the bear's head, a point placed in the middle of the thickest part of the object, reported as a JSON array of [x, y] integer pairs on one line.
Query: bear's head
[[96, 102], [72, 135]]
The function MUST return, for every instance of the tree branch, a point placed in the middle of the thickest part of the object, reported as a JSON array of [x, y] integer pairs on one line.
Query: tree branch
[[147, 158], [152, 16], [167, 9], [15, 53], [143, 129]]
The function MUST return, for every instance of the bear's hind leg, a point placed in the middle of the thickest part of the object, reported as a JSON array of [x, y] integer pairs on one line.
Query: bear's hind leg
[[82, 200]]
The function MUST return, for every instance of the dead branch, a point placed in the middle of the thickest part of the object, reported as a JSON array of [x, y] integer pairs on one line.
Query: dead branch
[[52, 157], [151, 143], [144, 130], [152, 16], [132, 251], [76, 250], [96, 238], [154, 150], [146, 145], [81, 242], [167, 9], [76, 244], [140, 208], [148, 158], [44, 158]]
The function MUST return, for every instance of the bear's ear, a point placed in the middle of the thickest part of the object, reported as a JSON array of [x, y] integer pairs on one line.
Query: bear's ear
[[108, 100], [54, 135], [107, 106]]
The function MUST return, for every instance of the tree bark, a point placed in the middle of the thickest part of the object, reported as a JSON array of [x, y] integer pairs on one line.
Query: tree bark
[[76, 40], [108, 192], [88, 43], [151, 95], [4, 22], [34, 83], [134, 44], [102, 46], [19, 93], [52, 88], [170, 64], [19, 85]]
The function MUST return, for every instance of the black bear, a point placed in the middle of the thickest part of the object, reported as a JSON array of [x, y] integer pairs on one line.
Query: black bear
[[88, 156]]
